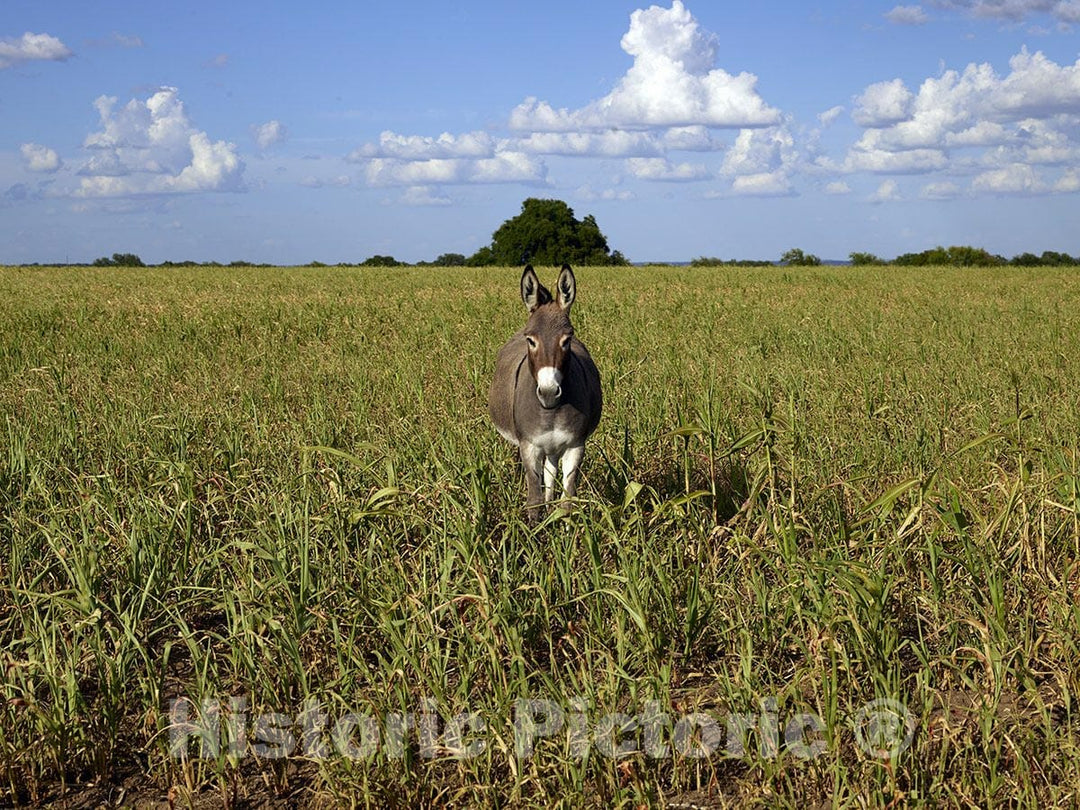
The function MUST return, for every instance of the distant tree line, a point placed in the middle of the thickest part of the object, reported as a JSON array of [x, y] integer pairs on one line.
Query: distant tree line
[[956, 256], [546, 232], [968, 256], [712, 261]]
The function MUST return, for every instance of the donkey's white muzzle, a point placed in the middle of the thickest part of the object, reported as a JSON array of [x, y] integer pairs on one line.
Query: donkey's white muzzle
[[549, 386]]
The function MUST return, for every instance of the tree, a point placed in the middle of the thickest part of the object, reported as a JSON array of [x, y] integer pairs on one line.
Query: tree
[[1052, 258], [484, 257], [957, 255], [546, 232], [864, 258], [380, 261], [1026, 260], [449, 260], [119, 260], [796, 258]]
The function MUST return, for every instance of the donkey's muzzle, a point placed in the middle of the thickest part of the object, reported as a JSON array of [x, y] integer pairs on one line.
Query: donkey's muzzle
[[549, 387]]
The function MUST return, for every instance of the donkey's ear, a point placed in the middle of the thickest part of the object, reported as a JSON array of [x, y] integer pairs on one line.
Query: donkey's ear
[[566, 286], [533, 293]]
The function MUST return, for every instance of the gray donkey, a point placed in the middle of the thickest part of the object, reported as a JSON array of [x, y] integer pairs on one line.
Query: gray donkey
[[545, 397]]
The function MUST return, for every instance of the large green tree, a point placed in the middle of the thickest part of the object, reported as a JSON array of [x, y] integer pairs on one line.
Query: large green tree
[[547, 232]]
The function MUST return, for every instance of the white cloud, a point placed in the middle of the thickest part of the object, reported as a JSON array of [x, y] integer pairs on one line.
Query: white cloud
[[1036, 86], [31, 48], [614, 143], [882, 103], [982, 133], [1068, 183], [424, 195], [588, 194], [1029, 116], [40, 158], [266, 135], [837, 187], [830, 115], [690, 139], [150, 147], [420, 147], [888, 191], [1015, 179], [940, 191], [504, 167], [763, 184], [881, 161], [906, 15], [667, 102], [760, 151], [664, 169], [671, 83], [617, 142]]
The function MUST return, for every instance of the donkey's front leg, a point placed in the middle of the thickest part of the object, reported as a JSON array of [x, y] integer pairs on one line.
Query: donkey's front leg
[[551, 473], [571, 463], [532, 459]]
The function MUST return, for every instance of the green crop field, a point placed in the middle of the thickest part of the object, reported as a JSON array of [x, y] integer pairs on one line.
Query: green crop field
[[260, 543]]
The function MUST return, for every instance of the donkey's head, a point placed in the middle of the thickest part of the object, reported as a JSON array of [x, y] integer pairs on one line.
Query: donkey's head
[[548, 332]]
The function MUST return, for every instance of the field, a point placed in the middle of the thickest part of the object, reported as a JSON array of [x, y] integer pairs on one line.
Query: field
[[827, 551]]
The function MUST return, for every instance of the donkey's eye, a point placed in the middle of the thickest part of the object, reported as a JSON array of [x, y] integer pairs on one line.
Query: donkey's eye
[[564, 342], [532, 342]]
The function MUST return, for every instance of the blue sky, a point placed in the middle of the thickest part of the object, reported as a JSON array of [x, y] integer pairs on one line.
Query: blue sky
[[289, 133]]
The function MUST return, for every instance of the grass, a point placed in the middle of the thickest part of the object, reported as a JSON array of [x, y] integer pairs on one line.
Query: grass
[[277, 489]]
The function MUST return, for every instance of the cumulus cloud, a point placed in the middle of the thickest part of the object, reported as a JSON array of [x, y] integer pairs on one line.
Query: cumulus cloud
[[503, 167], [266, 135], [888, 191], [1035, 87], [972, 119], [589, 194], [420, 147], [40, 158], [615, 143], [1015, 179], [618, 142], [830, 115], [671, 100], [1068, 183], [671, 83], [664, 169], [763, 184], [906, 15], [837, 187], [424, 195], [760, 152], [882, 161], [31, 48], [940, 191], [151, 147], [882, 103]]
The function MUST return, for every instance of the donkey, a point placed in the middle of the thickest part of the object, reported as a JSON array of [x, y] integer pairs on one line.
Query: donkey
[[545, 397]]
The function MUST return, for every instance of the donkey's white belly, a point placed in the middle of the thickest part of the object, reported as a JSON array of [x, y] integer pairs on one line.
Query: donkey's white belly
[[555, 442]]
